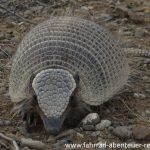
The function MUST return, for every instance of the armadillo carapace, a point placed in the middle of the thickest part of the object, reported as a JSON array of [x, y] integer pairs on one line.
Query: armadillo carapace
[[66, 59]]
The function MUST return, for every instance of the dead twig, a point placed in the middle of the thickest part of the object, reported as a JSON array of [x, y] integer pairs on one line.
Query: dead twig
[[10, 140], [43, 4], [65, 133], [33, 143], [136, 114], [3, 144], [17, 15], [5, 52]]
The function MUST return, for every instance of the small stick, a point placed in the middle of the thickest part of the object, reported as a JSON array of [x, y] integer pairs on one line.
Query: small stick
[[5, 52], [65, 133], [3, 144], [10, 139], [136, 114], [33, 143]]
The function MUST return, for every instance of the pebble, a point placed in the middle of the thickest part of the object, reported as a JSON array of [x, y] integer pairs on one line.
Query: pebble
[[25, 148], [85, 8], [100, 139], [78, 129], [110, 129], [95, 134], [122, 132], [146, 78], [126, 31], [28, 13], [141, 132], [2, 36], [139, 95], [139, 33], [6, 96], [147, 113], [62, 142], [106, 17], [147, 61], [88, 127], [79, 135], [103, 124], [91, 119], [50, 139], [36, 9], [5, 122]]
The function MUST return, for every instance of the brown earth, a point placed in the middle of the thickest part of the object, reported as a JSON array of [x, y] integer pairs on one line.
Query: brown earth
[[128, 20]]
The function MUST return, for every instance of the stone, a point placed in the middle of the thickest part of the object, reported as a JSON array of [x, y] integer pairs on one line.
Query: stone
[[147, 61], [139, 33], [62, 142], [106, 17], [110, 129], [103, 124], [36, 9], [50, 139], [89, 127], [147, 113], [25, 148], [7, 96], [146, 78], [7, 123], [91, 119], [79, 135], [141, 132], [2, 36], [126, 31], [124, 132], [95, 134], [28, 13], [90, 7], [85, 8]]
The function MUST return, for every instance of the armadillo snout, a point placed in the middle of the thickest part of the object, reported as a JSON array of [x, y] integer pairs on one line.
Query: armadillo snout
[[53, 125]]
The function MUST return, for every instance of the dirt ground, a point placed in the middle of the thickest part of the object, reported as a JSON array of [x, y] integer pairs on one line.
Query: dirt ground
[[128, 20]]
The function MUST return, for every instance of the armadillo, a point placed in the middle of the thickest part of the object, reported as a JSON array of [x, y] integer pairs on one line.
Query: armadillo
[[66, 59]]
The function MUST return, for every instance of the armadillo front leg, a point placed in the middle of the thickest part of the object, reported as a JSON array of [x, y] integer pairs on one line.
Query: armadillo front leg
[[28, 113]]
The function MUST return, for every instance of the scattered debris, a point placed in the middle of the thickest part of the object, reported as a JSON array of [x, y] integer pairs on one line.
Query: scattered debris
[[125, 12], [91, 119], [122, 132], [65, 133], [33, 143], [89, 127], [139, 95], [10, 140], [5, 122], [103, 124]]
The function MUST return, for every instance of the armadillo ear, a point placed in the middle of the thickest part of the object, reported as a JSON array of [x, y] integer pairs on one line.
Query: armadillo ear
[[29, 87], [77, 78]]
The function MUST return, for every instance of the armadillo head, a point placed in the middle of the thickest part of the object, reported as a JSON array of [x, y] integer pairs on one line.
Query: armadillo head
[[53, 88]]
